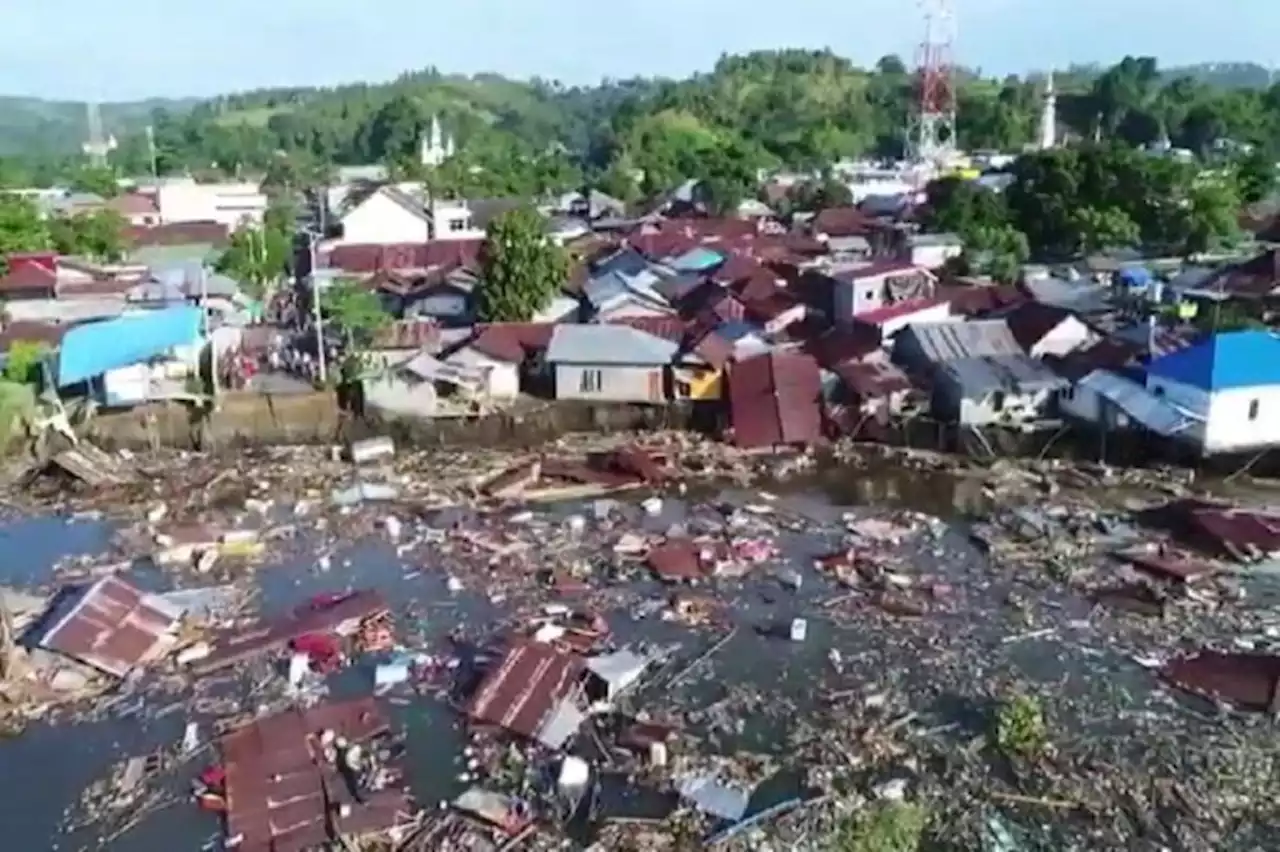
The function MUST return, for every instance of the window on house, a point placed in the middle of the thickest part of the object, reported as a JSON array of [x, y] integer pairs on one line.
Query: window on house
[[592, 381], [1253, 409], [997, 401], [1158, 391], [1068, 393], [457, 226], [684, 389]]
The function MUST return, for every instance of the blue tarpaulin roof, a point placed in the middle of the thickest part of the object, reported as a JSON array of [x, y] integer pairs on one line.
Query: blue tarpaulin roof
[[91, 350], [697, 259]]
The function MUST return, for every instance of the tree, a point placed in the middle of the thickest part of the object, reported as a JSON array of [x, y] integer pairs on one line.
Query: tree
[[996, 250], [97, 235], [21, 228], [256, 258], [98, 180], [1099, 229], [24, 359], [394, 134], [961, 207], [1256, 175], [821, 194], [356, 311], [521, 269]]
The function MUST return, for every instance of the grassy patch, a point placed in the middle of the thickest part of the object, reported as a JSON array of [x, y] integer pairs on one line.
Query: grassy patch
[[1020, 727], [883, 827], [17, 406]]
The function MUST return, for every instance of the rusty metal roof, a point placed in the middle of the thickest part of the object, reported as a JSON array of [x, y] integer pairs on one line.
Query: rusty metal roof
[[775, 399], [111, 626], [279, 787], [521, 693]]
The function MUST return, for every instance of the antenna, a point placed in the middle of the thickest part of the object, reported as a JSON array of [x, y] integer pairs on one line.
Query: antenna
[[933, 134], [98, 146]]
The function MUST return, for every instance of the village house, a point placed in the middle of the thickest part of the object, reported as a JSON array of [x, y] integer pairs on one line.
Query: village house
[[497, 353], [924, 347], [932, 251], [873, 386], [624, 284], [703, 353], [1229, 383], [860, 288], [384, 214], [1003, 390], [399, 341], [1043, 330], [609, 363]]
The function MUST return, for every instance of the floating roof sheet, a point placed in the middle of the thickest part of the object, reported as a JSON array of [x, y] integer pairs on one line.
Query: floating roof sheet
[[526, 688], [91, 350], [280, 791], [111, 626]]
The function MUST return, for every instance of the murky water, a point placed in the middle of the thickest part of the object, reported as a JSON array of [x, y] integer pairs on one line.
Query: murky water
[[47, 766]]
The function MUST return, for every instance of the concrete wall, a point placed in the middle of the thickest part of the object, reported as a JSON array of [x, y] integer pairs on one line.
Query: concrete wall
[[609, 383], [260, 420]]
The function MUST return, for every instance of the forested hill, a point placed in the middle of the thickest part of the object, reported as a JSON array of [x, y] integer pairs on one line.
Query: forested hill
[[788, 107]]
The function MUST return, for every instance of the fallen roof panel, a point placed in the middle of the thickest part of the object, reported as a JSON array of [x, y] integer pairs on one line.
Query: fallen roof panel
[[111, 626], [525, 688]]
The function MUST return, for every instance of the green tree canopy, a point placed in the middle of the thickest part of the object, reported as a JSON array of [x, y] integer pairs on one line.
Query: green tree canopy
[[96, 234], [256, 259], [521, 269], [355, 310], [21, 227]]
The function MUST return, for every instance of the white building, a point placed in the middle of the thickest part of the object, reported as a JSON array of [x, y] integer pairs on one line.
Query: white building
[[1049, 116], [397, 214], [436, 146], [229, 204], [1229, 384]]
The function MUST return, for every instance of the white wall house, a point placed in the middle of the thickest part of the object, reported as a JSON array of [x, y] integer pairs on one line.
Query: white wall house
[[386, 216], [932, 251], [1230, 384], [229, 204], [866, 287]]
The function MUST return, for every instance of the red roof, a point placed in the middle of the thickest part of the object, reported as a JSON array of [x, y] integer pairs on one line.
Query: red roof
[[522, 692], [837, 345], [177, 234], [47, 333], [774, 399], [844, 222], [511, 341], [408, 334], [280, 791], [28, 277], [872, 378], [112, 626], [900, 309], [134, 204], [370, 257], [876, 269]]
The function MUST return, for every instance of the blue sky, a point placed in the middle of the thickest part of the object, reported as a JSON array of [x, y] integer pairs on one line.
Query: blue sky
[[137, 48]]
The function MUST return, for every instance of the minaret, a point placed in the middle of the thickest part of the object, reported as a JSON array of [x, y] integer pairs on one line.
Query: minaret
[[1049, 116]]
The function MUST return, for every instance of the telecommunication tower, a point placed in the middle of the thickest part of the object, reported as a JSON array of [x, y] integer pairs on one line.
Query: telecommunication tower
[[933, 132], [97, 147]]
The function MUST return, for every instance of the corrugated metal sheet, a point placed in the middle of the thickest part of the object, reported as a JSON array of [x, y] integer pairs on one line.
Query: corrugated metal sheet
[[608, 344], [111, 626], [523, 691], [91, 350], [279, 790], [940, 342], [1152, 412], [775, 399], [1017, 374]]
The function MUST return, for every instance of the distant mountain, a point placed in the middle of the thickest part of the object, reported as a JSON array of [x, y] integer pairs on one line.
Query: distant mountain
[[30, 125]]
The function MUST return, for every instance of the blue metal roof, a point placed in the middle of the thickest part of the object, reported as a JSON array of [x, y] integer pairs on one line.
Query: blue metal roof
[[91, 350], [1233, 359], [696, 259]]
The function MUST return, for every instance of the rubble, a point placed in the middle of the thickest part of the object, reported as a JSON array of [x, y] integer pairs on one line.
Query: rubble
[[625, 643]]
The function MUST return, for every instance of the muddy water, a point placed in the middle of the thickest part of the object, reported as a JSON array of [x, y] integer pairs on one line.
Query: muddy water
[[935, 664]]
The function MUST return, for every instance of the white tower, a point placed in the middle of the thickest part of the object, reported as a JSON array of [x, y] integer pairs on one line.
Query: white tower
[[436, 146], [1049, 116], [97, 147]]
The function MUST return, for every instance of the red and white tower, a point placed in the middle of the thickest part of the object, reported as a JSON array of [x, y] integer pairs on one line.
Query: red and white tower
[[933, 132]]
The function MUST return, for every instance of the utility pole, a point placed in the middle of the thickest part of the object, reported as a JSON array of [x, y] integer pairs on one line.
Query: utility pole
[[151, 151], [204, 320], [315, 309]]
